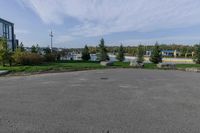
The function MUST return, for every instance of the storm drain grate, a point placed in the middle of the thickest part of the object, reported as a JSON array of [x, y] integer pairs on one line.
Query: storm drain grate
[[104, 78]]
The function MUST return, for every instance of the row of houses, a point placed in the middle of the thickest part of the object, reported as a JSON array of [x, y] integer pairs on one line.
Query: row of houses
[[7, 31], [167, 53]]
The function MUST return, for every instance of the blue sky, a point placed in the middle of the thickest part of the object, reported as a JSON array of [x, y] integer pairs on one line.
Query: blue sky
[[79, 22]]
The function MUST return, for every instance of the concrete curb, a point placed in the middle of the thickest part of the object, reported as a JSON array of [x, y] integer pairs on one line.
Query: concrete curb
[[3, 72], [192, 70]]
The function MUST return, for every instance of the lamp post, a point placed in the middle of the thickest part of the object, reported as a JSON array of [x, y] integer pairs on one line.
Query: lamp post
[[51, 35]]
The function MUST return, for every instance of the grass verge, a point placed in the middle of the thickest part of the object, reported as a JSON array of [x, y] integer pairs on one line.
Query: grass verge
[[78, 66]]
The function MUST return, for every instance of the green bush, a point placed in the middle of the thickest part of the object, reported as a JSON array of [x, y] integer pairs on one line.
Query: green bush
[[50, 57], [32, 59], [25, 58], [17, 56]]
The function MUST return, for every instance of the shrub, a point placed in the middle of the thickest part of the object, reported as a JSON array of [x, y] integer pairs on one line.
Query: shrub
[[17, 56], [32, 59], [50, 57], [25, 58]]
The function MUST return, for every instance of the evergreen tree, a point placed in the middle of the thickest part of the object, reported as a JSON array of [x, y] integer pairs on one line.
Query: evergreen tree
[[120, 55], [34, 49], [140, 54], [197, 54], [85, 54], [156, 56], [103, 56]]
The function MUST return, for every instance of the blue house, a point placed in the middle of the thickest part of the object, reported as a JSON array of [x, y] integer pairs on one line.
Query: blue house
[[168, 52]]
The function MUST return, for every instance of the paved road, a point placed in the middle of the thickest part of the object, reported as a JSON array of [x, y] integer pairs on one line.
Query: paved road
[[119, 100]]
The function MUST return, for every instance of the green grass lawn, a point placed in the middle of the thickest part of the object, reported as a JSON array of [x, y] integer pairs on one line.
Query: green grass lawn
[[79, 65], [127, 65], [57, 66], [178, 66], [68, 66], [188, 65]]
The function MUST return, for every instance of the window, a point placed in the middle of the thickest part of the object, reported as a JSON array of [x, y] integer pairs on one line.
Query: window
[[1, 29], [6, 31], [10, 32]]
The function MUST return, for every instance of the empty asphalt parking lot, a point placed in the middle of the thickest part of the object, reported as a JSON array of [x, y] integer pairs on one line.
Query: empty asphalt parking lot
[[118, 100]]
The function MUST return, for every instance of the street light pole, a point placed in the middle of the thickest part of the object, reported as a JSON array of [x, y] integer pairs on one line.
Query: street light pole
[[51, 35]]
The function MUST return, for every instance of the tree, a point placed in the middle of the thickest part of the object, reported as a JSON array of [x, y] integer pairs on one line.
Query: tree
[[85, 54], [47, 50], [197, 54], [156, 56], [33, 49], [5, 53], [103, 56], [37, 49], [21, 47], [18, 55], [120, 55], [49, 56], [140, 54]]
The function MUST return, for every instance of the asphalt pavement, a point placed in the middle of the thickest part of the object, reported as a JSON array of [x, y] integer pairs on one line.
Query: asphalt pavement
[[98, 101]]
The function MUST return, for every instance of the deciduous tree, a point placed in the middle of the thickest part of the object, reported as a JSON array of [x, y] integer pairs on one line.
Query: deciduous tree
[[5, 52]]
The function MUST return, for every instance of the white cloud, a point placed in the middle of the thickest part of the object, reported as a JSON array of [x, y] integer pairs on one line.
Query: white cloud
[[102, 17]]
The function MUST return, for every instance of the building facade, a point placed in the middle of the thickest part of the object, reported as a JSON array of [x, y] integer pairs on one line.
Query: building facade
[[165, 53], [7, 31]]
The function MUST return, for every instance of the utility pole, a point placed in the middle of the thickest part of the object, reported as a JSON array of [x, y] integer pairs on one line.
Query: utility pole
[[51, 35]]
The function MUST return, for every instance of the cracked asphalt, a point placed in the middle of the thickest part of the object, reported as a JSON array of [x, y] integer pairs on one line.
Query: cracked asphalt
[[98, 101]]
